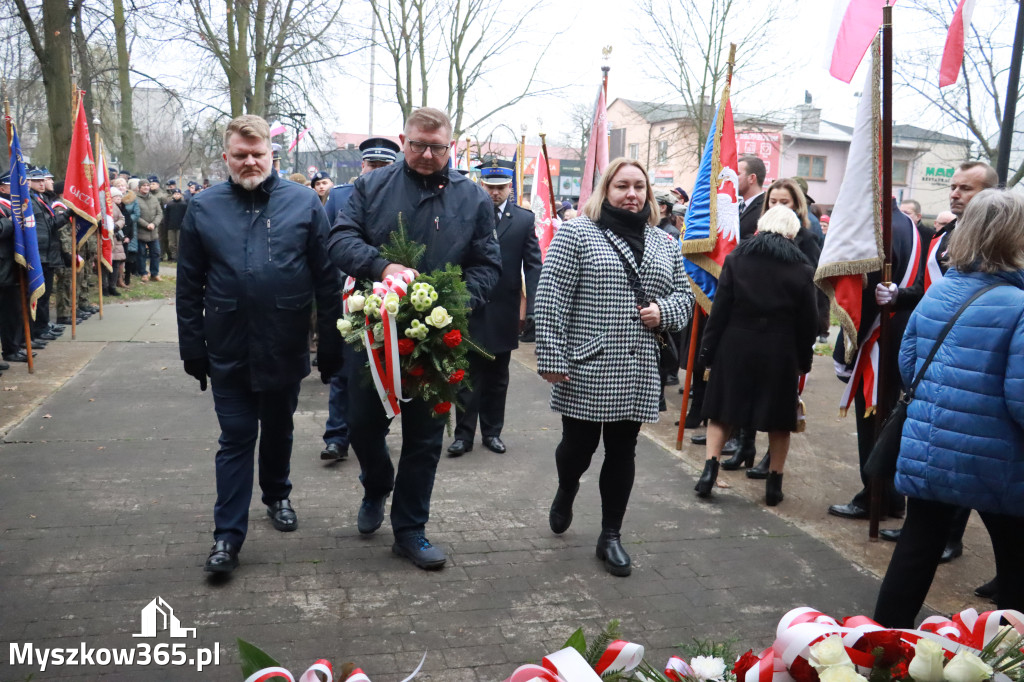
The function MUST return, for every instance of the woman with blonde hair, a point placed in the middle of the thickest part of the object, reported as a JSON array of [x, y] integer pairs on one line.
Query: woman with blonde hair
[[612, 285]]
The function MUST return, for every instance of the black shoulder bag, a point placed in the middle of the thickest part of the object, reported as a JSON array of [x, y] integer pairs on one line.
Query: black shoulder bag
[[669, 353], [882, 460]]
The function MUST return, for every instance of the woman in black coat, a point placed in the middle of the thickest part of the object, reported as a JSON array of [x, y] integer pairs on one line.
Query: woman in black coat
[[758, 340]]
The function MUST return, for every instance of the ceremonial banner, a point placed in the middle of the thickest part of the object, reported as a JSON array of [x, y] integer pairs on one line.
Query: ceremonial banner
[[26, 248], [106, 207], [80, 182], [713, 218], [298, 137], [597, 149], [513, 195], [277, 128], [853, 245], [543, 211], [953, 52], [854, 25]]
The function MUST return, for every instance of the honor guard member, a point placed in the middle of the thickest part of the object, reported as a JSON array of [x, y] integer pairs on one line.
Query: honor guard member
[[377, 153], [495, 326], [321, 183]]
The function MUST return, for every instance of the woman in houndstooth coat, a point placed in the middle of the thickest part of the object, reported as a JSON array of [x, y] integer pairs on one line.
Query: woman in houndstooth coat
[[611, 282]]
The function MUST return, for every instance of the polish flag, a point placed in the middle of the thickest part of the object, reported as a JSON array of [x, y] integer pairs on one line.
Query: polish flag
[[597, 149], [854, 25], [540, 204], [953, 53], [298, 137], [277, 128]]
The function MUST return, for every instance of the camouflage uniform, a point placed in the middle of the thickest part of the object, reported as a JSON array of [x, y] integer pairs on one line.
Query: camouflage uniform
[[62, 277], [87, 282]]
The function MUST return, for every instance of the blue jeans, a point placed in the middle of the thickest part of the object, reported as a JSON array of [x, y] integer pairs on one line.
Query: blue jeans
[[422, 436], [243, 415], [151, 251], [336, 429]]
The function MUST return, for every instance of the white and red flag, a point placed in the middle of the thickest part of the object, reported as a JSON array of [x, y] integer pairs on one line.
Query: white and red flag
[[540, 204], [854, 25], [277, 128], [81, 181], [953, 53], [106, 207], [597, 148], [297, 139]]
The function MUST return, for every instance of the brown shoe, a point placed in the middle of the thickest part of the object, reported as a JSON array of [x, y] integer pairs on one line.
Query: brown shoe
[[144, 278], [156, 278]]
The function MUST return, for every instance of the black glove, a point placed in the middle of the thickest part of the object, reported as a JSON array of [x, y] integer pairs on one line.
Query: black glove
[[66, 257], [198, 368], [328, 360]]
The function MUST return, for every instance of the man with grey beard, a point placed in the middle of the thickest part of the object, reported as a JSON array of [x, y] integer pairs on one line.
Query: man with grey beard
[[252, 259]]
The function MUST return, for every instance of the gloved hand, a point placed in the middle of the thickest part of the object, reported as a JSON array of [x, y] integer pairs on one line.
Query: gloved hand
[[843, 373], [66, 257], [328, 360], [886, 295], [200, 369]]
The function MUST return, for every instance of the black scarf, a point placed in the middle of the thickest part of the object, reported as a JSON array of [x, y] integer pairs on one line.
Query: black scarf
[[627, 225]]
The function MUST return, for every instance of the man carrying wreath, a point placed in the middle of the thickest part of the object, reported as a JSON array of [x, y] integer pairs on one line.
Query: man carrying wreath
[[454, 219]]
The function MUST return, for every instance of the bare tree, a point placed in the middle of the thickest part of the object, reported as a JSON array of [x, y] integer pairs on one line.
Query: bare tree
[[688, 45], [465, 39], [974, 105]]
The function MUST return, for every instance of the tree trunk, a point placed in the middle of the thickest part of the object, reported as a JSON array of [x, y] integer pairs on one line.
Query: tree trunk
[[84, 76], [54, 55], [127, 130]]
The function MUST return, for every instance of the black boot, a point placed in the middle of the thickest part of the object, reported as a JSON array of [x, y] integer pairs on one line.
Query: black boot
[[745, 453], [773, 489], [761, 470], [560, 516], [707, 478], [610, 551]]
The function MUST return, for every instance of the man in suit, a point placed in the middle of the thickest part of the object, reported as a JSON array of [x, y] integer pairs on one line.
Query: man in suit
[[752, 173], [495, 326]]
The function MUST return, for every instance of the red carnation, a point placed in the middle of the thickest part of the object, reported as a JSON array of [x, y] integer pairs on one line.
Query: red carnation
[[442, 408], [744, 663], [416, 371], [406, 346], [457, 376], [801, 671], [891, 646], [452, 338]]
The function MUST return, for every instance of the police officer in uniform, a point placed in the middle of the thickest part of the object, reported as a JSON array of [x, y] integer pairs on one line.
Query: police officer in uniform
[[495, 326], [377, 153]]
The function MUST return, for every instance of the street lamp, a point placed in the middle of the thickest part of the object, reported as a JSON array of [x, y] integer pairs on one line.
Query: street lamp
[[299, 120]]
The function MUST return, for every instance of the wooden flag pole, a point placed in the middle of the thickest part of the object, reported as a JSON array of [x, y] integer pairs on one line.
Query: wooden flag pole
[[690, 356], [536, 173], [22, 280], [76, 98]]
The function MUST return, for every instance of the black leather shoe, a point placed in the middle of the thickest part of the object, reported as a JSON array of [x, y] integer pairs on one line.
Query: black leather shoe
[[890, 534], [761, 470], [700, 439], [560, 514], [48, 336], [334, 452], [610, 551], [39, 343], [223, 558], [459, 447], [989, 590], [371, 514], [731, 446], [56, 329], [742, 458], [848, 511], [4, 366], [693, 420], [672, 380], [952, 551], [283, 516], [64, 321], [707, 478], [113, 292], [91, 309], [417, 548], [20, 356], [494, 444], [773, 489]]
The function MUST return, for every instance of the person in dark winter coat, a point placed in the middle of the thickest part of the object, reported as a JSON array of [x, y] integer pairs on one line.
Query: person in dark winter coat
[[454, 219], [174, 214], [611, 283], [758, 340], [963, 439], [253, 259]]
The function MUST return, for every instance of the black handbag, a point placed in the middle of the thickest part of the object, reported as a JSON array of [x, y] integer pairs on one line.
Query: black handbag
[[886, 450]]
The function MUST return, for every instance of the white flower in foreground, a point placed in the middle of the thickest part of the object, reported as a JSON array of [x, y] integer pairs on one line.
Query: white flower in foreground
[[967, 667], [841, 673], [926, 666], [344, 326], [707, 667], [829, 652]]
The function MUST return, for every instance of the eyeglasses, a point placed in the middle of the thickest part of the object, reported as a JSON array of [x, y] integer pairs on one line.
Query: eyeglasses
[[435, 149]]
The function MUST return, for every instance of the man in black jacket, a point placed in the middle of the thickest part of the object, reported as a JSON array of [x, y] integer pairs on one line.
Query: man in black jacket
[[252, 259], [174, 215], [751, 190], [454, 218], [496, 325]]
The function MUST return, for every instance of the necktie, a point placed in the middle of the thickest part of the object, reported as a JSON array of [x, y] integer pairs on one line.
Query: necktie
[[743, 205], [497, 214]]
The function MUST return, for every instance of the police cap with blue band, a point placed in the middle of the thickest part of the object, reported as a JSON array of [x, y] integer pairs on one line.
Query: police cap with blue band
[[379, 149], [497, 172]]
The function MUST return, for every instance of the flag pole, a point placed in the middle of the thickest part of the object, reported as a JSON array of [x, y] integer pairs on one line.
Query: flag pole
[[22, 282], [551, 190], [76, 102], [885, 328], [1010, 110], [520, 168], [101, 216], [687, 382]]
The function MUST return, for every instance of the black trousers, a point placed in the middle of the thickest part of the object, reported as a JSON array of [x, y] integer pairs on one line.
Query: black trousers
[[42, 321], [487, 399], [12, 330], [579, 443], [892, 501], [912, 567]]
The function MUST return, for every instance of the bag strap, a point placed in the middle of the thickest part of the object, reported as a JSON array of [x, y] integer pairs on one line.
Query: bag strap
[[632, 276], [945, 331]]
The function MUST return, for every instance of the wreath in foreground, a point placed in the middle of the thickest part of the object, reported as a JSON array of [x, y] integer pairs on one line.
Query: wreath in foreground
[[413, 329]]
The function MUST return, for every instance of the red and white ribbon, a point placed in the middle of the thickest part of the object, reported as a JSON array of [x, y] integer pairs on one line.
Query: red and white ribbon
[[971, 629], [318, 672], [619, 656], [346, 291], [385, 365]]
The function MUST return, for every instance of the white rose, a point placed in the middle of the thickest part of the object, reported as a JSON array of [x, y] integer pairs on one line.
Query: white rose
[[926, 666], [829, 652], [707, 667], [966, 667], [345, 327], [390, 303], [439, 318], [841, 673], [356, 302]]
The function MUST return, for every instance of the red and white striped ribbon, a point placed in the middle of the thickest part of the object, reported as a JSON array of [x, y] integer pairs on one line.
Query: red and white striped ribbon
[[318, 672], [385, 367], [619, 656], [346, 291]]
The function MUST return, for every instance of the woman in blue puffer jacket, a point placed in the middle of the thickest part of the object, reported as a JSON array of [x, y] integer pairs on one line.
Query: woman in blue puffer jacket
[[963, 441]]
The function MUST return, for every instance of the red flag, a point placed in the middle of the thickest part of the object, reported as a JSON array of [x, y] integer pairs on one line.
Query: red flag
[[81, 181], [728, 213], [597, 149], [543, 211], [953, 53], [106, 206], [854, 25]]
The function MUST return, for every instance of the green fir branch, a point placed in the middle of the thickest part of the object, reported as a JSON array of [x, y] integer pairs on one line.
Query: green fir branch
[[609, 634], [402, 250]]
